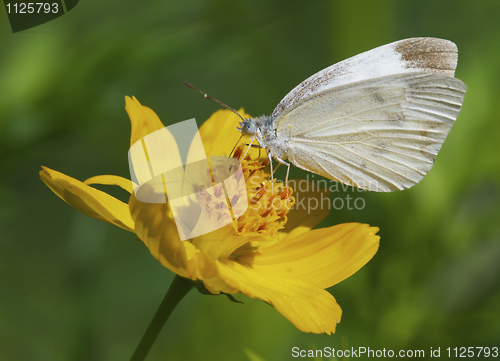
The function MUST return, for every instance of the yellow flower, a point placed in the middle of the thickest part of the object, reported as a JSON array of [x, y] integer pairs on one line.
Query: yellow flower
[[270, 253]]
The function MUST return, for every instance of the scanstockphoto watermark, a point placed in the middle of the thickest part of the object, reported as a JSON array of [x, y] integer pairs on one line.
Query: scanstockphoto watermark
[[311, 204], [197, 189], [205, 196], [367, 352], [311, 184], [322, 188], [317, 194], [362, 352]]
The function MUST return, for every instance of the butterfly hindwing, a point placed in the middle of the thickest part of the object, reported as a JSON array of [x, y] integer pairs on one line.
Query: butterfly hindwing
[[381, 134]]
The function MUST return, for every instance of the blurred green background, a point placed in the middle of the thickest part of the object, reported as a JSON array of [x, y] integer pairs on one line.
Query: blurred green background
[[72, 288]]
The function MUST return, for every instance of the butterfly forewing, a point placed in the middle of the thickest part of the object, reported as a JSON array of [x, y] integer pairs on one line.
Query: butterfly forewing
[[381, 134], [405, 56]]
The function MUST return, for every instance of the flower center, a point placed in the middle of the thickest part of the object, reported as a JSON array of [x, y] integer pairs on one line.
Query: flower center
[[268, 201]]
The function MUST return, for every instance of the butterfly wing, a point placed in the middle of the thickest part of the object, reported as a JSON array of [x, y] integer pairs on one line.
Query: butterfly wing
[[410, 55], [380, 134]]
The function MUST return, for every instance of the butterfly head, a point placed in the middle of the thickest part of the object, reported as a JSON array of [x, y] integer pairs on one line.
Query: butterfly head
[[248, 127]]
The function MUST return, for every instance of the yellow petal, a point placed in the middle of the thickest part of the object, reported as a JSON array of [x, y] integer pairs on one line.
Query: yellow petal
[[155, 226], [90, 201], [302, 218], [208, 270], [219, 133], [144, 120], [309, 307], [159, 152], [220, 243], [121, 182], [323, 257]]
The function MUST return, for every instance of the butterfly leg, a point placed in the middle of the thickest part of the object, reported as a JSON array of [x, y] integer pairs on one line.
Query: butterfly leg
[[271, 165], [249, 146], [287, 169]]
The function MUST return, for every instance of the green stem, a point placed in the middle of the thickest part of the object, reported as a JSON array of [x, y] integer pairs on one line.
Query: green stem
[[178, 289]]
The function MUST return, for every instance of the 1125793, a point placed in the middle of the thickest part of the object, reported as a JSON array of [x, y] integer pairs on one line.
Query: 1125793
[[472, 351], [31, 8]]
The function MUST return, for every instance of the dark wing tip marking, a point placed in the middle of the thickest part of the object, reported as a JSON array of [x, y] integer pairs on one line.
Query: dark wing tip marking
[[429, 55]]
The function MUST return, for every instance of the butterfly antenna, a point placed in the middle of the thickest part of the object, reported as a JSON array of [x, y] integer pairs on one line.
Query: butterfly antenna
[[209, 97]]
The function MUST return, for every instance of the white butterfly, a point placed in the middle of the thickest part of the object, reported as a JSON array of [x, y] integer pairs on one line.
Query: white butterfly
[[375, 121]]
